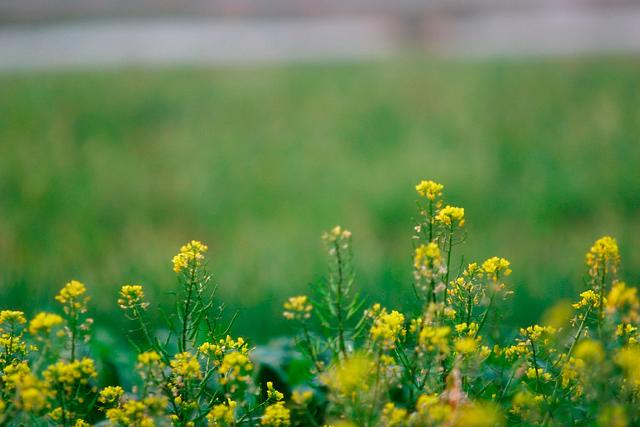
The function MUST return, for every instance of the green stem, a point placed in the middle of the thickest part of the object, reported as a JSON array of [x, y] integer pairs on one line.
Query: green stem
[[341, 341]]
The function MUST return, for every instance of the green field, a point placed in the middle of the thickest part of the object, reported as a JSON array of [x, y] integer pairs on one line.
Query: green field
[[104, 175]]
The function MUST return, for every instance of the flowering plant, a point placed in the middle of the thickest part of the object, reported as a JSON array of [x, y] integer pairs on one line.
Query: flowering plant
[[446, 362]]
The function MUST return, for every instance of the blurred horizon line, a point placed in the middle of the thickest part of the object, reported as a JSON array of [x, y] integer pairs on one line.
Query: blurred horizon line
[[544, 31]]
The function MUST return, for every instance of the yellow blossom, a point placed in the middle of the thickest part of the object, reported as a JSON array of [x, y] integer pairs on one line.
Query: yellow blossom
[[71, 291], [392, 416], [111, 394], [297, 307], [387, 327], [44, 322], [429, 189], [589, 298], [221, 415], [191, 252], [276, 415], [132, 297], [494, 266], [603, 255], [590, 351], [465, 345], [449, 214], [272, 393], [301, 398], [186, 365], [10, 316], [435, 337]]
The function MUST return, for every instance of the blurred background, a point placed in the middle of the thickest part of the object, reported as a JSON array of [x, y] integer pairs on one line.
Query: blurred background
[[128, 128]]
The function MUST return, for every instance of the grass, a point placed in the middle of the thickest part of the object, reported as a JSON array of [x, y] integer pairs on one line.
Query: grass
[[103, 174]]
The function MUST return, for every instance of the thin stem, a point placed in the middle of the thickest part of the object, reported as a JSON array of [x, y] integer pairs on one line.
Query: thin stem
[[341, 341]]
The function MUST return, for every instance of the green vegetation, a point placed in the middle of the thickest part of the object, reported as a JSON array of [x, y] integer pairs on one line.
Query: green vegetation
[[448, 361], [103, 174]]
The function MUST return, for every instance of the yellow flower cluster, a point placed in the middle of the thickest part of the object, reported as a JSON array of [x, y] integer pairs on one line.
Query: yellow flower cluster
[[590, 351], [589, 298], [276, 415], [392, 416], [272, 393], [449, 214], [12, 318], [111, 394], [435, 337], [297, 307], [221, 415], [429, 189], [191, 252], [234, 367], [148, 358], [387, 327], [337, 234], [70, 292], [44, 322], [428, 261], [186, 366], [536, 331], [603, 253], [494, 266], [301, 398], [69, 374], [134, 413], [349, 377], [430, 410], [30, 393], [132, 297], [624, 300]]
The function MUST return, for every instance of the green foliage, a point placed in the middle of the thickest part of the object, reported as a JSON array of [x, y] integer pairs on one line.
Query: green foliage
[[448, 362], [103, 174]]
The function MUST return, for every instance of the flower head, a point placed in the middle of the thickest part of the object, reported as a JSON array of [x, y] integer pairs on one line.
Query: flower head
[[44, 322], [276, 415], [71, 291], [190, 253], [297, 307], [450, 214], [132, 297], [429, 189]]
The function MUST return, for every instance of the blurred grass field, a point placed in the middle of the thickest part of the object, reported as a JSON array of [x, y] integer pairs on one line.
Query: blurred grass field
[[105, 174]]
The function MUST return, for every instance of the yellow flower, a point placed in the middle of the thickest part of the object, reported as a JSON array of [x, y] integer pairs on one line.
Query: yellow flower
[[465, 345], [392, 416], [71, 291], [31, 392], [589, 298], [272, 393], [493, 266], [301, 398], [9, 316], [297, 307], [448, 214], [435, 337], [427, 260], [186, 365], [131, 297], [234, 367], [111, 394], [590, 351], [429, 189], [191, 252], [276, 415], [222, 414], [603, 255], [148, 357], [44, 322], [387, 327], [71, 373]]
